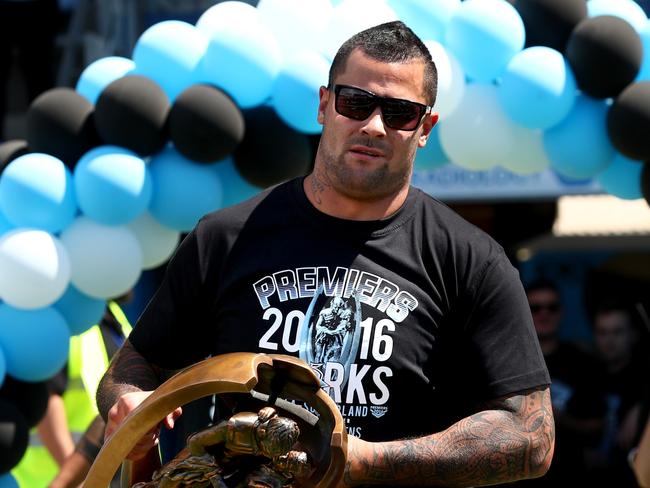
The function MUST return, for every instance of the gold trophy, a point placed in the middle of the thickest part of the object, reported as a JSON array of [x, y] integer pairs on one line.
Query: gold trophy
[[294, 437]]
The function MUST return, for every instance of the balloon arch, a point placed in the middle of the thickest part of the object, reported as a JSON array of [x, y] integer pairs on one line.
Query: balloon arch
[[204, 116]]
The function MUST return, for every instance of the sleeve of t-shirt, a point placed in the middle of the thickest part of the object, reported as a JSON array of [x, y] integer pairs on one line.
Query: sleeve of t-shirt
[[499, 335], [172, 332]]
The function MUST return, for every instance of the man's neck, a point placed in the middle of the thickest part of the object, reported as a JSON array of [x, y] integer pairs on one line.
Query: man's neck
[[331, 202]]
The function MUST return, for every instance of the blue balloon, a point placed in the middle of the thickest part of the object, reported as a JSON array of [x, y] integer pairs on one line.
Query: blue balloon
[[295, 91], [579, 146], [3, 367], [484, 35], [5, 225], [183, 191], [169, 53], [99, 74], [622, 178], [427, 18], [628, 10], [8, 481], [538, 88], [432, 155], [235, 188], [79, 310], [113, 185], [35, 342], [243, 56], [36, 190]]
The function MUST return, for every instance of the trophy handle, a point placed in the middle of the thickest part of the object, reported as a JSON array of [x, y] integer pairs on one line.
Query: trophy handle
[[241, 372]]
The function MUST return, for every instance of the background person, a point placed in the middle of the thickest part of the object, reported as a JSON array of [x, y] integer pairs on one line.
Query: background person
[[577, 396], [617, 338]]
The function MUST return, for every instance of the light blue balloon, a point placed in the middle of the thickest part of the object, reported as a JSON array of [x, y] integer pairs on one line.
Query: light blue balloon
[[622, 178], [538, 88], [3, 367], [113, 185], [235, 188], [99, 74], [484, 35], [644, 72], [432, 155], [169, 53], [243, 57], [579, 146], [295, 91], [79, 310], [427, 18], [183, 191], [36, 190], [35, 342], [5, 225], [8, 481], [627, 10]]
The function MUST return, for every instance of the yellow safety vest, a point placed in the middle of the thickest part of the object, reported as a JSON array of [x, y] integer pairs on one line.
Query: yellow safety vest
[[87, 363]]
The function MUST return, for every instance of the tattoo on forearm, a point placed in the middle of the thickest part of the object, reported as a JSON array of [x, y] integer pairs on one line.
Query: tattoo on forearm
[[128, 372], [510, 439]]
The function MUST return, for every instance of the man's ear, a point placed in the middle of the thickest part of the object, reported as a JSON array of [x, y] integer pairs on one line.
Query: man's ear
[[324, 96], [430, 120]]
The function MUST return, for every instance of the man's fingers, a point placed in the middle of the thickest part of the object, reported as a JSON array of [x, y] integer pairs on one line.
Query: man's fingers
[[144, 445], [170, 419]]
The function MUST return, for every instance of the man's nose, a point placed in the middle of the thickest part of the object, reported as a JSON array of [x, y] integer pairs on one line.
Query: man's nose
[[374, 124]]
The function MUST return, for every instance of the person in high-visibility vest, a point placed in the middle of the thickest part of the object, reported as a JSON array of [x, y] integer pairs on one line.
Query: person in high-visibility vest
[[53, 450]]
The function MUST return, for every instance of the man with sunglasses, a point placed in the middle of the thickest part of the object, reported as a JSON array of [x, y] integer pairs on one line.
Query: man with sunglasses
[[438, 372]]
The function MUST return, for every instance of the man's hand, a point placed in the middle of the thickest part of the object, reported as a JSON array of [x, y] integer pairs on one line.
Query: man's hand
[[124, 406]]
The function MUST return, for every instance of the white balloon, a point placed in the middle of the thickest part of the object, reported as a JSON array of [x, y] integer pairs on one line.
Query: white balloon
[[34, 268], [243, 57], [296, 24], [157, 242], [105, 260], [527, 153], [350, 17], [451, 79], [478, 135]]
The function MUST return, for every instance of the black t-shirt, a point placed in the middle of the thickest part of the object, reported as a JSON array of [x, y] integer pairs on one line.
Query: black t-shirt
[[410, 321]]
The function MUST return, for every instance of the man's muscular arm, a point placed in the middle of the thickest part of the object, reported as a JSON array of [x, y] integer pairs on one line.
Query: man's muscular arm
[[128, 372], [511, 438], [130, 379]]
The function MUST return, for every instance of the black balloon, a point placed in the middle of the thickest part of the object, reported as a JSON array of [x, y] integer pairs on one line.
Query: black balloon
[[271, 151], [60, 122], [205, 124], [132, 112], [10, 150], [605, 53], [628, 121], [29, 398], [550, 22], [14, 436]]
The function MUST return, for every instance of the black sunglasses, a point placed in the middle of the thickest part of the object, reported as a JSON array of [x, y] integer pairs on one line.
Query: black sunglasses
[[355, 103], [552, 307]]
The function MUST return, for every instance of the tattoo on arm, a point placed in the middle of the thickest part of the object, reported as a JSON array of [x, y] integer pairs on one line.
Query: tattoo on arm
[[128, 372], [512, 438]]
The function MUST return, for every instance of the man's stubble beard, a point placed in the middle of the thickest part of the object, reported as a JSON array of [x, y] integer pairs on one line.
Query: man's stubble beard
[[362, 184]]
